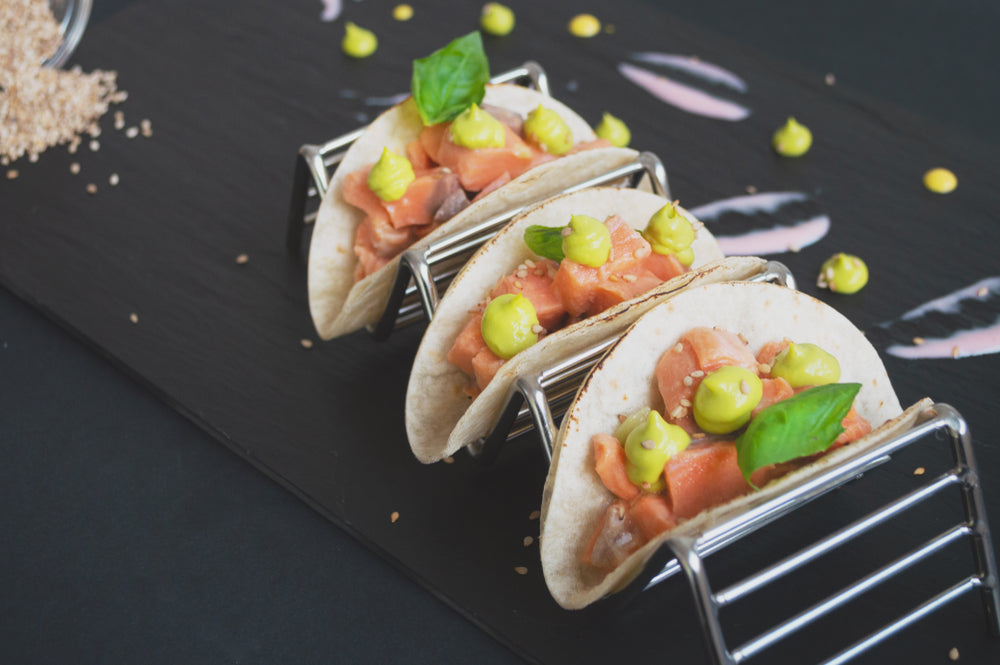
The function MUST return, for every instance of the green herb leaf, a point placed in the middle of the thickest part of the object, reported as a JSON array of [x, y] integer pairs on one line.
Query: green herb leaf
[[546, 241], [448, 81], [805, 424]]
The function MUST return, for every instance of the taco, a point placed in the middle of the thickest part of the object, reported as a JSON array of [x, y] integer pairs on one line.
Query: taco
[[358, 236], [656, 441], [458, 384]]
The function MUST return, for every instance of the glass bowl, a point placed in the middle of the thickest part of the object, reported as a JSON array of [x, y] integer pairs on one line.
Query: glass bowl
[[72, 16]]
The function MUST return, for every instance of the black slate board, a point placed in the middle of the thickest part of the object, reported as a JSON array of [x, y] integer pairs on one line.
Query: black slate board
[[232, 89]]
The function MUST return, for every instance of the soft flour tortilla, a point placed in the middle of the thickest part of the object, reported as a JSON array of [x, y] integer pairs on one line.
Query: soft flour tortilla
[[440, 417], [340, 306], [624, 381]]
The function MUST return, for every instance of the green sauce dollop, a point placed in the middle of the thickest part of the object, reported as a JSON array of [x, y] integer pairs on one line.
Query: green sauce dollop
[[649, 447], [475, 128], [390, 176], [725, 399], [843, 273], [614, 130], [806, 365], [509, 325], [546, 129], [587, 241], [669, 232], [792, 139], [358, 42]]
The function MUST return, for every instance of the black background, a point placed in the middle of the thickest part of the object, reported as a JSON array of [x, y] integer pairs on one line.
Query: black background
[[132, 537]]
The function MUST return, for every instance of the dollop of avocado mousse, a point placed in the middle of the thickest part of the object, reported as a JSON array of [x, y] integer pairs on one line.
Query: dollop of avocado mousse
[[613, 130], [358, 42], [725, 399], [475, 128], [496, 19], [550, 132], [509, 325], [843, 273], [390, 176], [805, 365], [586, 241], [649, 447], [792, 139], [669, 232]]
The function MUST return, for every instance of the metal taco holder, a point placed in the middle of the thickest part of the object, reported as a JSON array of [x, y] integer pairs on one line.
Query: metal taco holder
[[423, 274], [533, 401]]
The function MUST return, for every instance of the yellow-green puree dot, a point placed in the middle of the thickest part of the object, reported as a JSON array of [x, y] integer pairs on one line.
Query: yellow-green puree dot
[[548, 131], [805, 365], [940, 181], [584, 25], [669, 232], [614, 130], [358, 42], [649, 447], [843, 273], [509, 325], [586, 241], [475, 128], [402, 12], [496, 19], [792, 139], [390, 176], [725, 399]]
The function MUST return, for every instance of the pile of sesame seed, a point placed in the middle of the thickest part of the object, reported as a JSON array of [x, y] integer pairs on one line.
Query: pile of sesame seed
[[41, 107]]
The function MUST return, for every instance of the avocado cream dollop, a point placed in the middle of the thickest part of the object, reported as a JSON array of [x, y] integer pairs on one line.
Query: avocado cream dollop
[[358, 42], [613, 130], [545, 128], [648, 448], [496, 19], [669, 232], [843, 273], [475, 128], [390, 176], [806, 365], [792, 139], [587, 241], [940, 181], [509, 325], [725, 399]]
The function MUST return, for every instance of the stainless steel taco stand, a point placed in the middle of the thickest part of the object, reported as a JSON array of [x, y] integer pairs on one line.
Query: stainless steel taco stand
[[423, 274]]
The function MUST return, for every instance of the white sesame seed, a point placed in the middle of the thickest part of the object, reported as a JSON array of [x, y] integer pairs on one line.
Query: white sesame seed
[[566, 232], [678, 413], [954, 351], [919, 471], [751, 189], [678, 347], [830, 79], [642, 252], [306, 343], [982, 291], [520, 570], [113, 179], [91, 188], [132, 132], [529, 263], [74, 168], [697, 374], [688, 381], [917, 341], [686, 402], [528, 540], [133, 317], [95, 145], [537, 329], [12, 174], [242, 258], [630, 278], [648, 444]]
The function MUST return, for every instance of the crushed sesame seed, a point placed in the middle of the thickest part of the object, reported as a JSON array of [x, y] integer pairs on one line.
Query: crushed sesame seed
[[91, 188], [394, 516], [919, 471], [132, 132], [535, 514], [520, 570], [133, 317], [12, 174], [528, 540], [306, 343], [917, 341], [74, 168], [113, 179], [242, 258]]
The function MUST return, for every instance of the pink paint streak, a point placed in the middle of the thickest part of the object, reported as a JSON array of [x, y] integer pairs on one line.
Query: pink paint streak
[[682, 96]]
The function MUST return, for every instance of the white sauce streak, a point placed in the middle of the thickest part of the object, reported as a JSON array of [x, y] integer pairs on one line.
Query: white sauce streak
[[974, 342], [790, 236], [682, 96], [703, 70], [331, 10], [386, 101]]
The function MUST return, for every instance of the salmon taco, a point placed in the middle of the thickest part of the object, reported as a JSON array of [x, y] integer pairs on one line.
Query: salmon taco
[[723, 389], [560, 278], [456, 153]]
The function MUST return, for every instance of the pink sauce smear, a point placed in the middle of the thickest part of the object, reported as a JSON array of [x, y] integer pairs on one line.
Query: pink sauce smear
[[331, 10], [691, 65], [962, 344], [683, 96], [791, 236]]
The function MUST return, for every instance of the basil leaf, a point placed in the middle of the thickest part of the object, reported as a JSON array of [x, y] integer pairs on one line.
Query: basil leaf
[[546, 241], [451, 79], [804, 424]]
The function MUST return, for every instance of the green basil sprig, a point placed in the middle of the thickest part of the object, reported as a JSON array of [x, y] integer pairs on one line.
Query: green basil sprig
[[804, 424], [451, 79], [546, 241]]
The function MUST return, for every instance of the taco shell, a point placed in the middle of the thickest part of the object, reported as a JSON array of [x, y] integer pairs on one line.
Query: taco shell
[[574, 497]]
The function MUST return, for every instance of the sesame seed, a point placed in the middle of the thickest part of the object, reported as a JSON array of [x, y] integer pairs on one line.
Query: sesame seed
[[613, 278], [566, 232], [764, 368], [744, 387], [953, 654], [535, 514], [917, 341], [132, 132], [306, 343], [919, 471], [794, 249], [95, 145], [685, 402], [982, 291], [520, 570], [74, 168], [133, 317], [242, 259], [145, 123], [697, 374], [642, 252], [954, 351], [522, 274], [630, 278], [518, 285], [12, 174], [72, 147], [33, 157], [751, 189], [678, 347], [648, 444], [537, 329], [113, 179], [698, 435], [678, 413], [529, 263], [449, 460], [394, 516], [91, 188], [528, 540], [830, 79]]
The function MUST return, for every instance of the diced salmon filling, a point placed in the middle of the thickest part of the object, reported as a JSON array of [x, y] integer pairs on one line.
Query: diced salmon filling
[[443, 170], [565, 292], [706, 473]]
